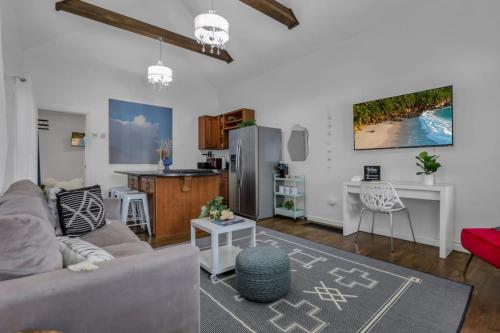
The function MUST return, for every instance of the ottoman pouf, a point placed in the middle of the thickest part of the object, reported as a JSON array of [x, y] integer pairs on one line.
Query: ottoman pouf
[[262, 273]]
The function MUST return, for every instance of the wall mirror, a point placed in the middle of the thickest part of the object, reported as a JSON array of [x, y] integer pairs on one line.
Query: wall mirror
[[298, 145]]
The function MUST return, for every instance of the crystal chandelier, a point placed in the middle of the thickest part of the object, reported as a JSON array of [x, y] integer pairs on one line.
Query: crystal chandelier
[[212, 30], [159, 75]]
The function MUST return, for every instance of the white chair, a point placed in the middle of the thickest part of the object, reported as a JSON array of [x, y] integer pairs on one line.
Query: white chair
[[381, 197], [137, 203]]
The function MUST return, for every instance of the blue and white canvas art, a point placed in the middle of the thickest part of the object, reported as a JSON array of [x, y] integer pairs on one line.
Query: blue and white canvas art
[[136, 132]]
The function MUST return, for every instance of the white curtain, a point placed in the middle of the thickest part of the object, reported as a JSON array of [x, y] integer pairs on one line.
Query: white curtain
[[3, 124], [26, 145]]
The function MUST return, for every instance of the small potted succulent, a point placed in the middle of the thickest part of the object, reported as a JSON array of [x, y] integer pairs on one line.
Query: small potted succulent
[[289, 204], [429, 165], [216, 211]]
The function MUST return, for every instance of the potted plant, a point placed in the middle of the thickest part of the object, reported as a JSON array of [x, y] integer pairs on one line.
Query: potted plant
[[289, 204], [216, 211], [429, 165], [246, 123]]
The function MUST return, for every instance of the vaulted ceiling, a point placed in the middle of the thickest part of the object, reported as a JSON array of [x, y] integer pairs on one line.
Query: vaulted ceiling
[[257, 42]]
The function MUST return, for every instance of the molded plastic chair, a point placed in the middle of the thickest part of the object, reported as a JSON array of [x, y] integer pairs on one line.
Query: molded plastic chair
[[381, 197]]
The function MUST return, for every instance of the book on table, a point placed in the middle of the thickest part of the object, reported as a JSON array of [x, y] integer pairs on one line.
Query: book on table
[[230, 221]]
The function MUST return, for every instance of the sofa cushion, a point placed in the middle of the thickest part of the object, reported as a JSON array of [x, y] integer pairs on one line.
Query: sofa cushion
[[27, 246], [81, 211], [16, 204], [25, 188], [128, 249], [112, 233], [76, 250]]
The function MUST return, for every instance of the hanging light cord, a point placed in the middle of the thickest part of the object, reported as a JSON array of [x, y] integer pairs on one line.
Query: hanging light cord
[[161, 40]]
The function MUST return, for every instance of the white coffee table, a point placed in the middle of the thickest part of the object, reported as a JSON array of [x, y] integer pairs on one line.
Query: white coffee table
[[220, 259]]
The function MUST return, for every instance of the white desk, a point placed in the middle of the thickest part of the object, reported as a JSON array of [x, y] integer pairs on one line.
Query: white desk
[[439, 192]]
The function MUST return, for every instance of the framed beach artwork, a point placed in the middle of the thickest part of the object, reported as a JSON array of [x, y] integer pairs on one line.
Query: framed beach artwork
[[420, 119], [137, 131]]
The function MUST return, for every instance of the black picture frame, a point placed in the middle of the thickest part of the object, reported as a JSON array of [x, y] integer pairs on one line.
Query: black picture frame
[[371, 173]]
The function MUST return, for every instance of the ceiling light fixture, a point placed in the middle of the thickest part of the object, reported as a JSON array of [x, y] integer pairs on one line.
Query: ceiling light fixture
[[212, 30], [159, 75]]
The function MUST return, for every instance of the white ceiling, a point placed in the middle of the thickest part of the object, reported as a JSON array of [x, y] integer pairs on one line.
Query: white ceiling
[[257, 42]]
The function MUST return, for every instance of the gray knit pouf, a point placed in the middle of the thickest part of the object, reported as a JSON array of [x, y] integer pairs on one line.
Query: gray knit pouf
[[262, 273]]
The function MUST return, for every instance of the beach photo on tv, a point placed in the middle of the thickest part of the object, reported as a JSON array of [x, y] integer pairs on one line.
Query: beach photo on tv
[[419, 119]]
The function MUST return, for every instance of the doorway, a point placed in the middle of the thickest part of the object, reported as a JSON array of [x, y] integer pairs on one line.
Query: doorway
[[61, 139]]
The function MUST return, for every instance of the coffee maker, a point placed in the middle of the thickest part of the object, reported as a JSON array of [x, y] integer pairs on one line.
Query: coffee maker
[[282, 169]]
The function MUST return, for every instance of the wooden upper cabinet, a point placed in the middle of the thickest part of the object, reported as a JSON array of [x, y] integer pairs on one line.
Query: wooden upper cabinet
[[208, 132], [213, 131], [231, 120]]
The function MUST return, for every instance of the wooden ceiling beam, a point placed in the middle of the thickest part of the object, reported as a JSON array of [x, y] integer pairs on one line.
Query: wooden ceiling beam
[[275, 10], [117, 20]]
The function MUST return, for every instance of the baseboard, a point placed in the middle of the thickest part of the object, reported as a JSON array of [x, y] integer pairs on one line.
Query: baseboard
[[424, 240], [325, 221]]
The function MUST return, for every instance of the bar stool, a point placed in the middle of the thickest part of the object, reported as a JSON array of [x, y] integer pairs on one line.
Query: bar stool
[[118, 193], [114, 192], [136, 202]]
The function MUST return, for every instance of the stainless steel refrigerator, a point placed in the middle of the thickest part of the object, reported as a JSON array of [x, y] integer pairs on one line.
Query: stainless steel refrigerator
[[254, 153]]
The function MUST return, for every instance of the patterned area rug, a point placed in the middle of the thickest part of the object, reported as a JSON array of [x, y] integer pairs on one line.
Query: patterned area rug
[[334, 291]]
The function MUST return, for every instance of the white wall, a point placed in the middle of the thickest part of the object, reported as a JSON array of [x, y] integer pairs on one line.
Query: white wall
[[79, 73], [448, 42], [58, 159]]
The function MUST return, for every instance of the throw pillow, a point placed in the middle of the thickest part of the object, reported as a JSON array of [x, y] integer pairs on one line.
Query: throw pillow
[[81, 211], [76, 250]]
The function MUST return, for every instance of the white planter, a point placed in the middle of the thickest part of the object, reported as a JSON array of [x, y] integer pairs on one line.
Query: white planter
[[428, 179]]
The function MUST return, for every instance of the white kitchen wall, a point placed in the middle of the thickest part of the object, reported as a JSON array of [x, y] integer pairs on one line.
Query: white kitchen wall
[[80, 73], [58, 159], [452, 42]]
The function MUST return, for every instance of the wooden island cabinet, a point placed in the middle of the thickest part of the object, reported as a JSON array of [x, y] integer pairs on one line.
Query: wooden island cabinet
[[175, 197]]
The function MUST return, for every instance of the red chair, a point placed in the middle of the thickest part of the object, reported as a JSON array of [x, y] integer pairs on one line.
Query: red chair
[[483, 243]]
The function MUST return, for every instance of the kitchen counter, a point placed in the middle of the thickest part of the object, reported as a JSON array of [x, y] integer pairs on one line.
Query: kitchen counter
[[175, 197], [171, 173]]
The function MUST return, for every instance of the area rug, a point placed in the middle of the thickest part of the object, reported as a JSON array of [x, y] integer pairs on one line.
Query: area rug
[[334, 291]]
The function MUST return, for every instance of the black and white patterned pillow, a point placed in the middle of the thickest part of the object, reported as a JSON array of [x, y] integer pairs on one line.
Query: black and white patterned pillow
[[80, 211]]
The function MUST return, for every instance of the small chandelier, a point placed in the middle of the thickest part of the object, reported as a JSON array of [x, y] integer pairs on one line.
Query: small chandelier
[[211, 30], [159, 75]]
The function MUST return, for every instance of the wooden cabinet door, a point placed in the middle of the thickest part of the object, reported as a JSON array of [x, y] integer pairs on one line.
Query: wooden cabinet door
[[133, 182], [208, 132], [148, 186]]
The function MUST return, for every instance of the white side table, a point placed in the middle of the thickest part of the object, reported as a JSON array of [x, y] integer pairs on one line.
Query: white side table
[[220, 259]]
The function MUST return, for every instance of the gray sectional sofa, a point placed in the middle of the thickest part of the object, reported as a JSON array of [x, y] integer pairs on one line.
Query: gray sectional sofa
[[141, 290]]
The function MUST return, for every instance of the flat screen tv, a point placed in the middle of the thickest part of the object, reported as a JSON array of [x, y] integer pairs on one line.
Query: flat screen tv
[[420, 119]]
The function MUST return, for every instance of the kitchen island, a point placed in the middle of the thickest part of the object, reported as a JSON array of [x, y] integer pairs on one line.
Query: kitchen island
[[174, 197]]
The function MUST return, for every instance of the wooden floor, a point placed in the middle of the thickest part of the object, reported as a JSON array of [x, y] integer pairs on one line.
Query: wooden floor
[[484, 309]]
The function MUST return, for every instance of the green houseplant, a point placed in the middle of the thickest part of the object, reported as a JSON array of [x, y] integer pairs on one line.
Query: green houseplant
[[288, 204], [215, 210], [429, 165], [246, 123]]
